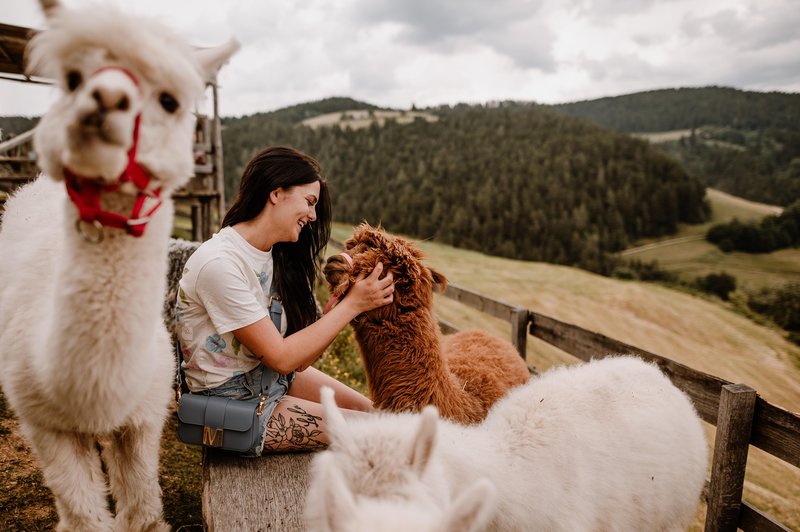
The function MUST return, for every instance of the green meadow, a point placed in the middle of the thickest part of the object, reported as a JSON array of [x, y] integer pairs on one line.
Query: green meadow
[[689, 255]]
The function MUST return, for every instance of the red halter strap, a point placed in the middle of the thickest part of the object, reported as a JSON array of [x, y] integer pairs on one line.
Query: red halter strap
[[338, 296], [85, 192]]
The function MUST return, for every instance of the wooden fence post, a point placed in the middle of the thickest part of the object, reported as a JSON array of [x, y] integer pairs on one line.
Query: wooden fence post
[[519, 331], [734, 424]]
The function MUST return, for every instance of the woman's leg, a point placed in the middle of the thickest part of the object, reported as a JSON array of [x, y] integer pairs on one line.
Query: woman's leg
[[307, 384], [298, 424]]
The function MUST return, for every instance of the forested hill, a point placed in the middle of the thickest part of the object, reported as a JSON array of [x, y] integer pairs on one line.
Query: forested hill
[[516, 181], [744, 143], [670, 109]]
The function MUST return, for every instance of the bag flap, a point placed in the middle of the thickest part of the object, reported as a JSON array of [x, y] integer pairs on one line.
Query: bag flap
[[217, 412], [241, 415], [192, 408]]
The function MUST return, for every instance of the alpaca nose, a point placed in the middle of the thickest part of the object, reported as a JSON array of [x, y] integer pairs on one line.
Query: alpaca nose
[[111, 99], [112, 90]]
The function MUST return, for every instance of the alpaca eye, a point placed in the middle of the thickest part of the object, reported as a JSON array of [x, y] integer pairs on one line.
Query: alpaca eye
[[168, 102], [74, 79]]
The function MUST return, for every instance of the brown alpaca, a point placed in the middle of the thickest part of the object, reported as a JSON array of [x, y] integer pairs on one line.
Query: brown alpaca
[[409, 363]]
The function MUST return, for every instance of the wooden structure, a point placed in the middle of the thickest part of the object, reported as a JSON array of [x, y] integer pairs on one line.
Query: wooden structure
[[242, 494], [202, 200]]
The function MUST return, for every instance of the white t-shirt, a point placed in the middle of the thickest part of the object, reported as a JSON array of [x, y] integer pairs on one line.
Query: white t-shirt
[[225, 286]]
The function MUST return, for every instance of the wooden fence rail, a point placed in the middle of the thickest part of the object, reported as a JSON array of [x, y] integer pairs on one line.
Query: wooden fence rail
[[741, 417]]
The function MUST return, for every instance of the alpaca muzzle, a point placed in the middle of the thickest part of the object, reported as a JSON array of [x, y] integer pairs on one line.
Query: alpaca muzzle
[[86, 191]]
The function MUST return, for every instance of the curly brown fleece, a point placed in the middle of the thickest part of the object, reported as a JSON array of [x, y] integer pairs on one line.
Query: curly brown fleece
[[409, 363]]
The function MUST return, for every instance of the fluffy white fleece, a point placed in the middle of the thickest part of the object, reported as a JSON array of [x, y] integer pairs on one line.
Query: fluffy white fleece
[[85, 354], [609, 445]]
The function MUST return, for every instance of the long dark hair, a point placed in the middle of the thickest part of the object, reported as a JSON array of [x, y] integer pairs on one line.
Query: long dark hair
[[295, 263]]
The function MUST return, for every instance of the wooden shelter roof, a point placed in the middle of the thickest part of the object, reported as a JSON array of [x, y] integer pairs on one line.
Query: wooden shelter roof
[[13, 40]]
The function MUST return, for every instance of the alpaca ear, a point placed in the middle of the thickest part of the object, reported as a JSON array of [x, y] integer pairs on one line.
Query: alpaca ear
[[50, 7], [338, 504], [440, 279], [337, 426], [212, 59], [472, 509], [424, 441], [336, 271]]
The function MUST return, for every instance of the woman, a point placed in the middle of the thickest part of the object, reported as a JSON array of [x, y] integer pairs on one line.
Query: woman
[[269, 244]]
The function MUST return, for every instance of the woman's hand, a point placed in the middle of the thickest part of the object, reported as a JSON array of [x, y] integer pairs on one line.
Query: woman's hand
[[369, 292]]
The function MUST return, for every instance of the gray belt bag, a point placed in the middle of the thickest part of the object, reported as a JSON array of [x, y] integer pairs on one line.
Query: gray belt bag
[[221, 422]]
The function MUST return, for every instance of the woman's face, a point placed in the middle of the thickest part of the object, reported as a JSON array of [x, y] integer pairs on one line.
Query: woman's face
[[296, 208]]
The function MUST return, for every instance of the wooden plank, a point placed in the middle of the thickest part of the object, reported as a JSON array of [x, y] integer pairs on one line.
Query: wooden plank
[[246, 494], [498, 309], [519, 331], [447, 327], [752, 519], [732, 442], [17, 141], [777, 431]]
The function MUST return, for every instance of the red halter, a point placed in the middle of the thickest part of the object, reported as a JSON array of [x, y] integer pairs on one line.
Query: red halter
[[85, 191]]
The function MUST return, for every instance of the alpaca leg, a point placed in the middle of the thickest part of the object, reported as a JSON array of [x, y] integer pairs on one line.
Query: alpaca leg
[[72, 470], [131, 456]]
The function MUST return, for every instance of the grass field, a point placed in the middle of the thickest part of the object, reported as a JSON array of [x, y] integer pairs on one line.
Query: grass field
[[695, 258]]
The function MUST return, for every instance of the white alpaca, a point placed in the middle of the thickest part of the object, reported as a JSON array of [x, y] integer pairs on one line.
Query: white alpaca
[[609, 445], [84, 353]]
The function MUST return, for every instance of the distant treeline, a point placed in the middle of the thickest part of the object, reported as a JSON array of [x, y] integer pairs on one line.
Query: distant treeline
[[517, 181], [761, 165], [744, 143], [771, 234]]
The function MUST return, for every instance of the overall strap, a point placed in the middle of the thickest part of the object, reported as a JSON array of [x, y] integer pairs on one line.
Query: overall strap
[[275, 312]]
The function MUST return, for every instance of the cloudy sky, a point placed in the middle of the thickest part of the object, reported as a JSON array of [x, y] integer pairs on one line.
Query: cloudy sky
[[396, 53]]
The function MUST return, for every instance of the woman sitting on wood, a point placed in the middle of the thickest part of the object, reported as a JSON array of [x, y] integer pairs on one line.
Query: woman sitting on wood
[[267, 251]]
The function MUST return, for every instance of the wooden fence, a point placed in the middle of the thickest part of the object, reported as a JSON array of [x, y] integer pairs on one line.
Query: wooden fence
[[741, 417]]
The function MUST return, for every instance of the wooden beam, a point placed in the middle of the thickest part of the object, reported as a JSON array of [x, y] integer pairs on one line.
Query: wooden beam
[[754, 520], [519, 331], [498, 309], [732, 442], [245, 494]]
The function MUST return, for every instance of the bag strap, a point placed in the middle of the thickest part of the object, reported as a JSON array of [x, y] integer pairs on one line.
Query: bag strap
[[275, 308]]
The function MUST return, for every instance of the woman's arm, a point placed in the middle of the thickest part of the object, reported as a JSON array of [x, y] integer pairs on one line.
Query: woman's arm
[[303, 347]]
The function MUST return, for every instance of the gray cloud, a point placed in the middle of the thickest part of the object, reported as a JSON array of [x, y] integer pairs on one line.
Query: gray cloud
[[509, 27], [429, 21], [760, 28], [604, 11], [619, 67]]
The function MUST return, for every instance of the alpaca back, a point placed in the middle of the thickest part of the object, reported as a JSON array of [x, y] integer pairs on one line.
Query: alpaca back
[[485, 366], [608, 445]]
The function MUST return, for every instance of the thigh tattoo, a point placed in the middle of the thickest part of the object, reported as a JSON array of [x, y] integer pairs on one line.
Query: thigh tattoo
[[300, 431]]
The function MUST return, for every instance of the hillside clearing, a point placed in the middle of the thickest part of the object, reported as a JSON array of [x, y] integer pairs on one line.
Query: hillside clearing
[[689, 255], [361, 118]]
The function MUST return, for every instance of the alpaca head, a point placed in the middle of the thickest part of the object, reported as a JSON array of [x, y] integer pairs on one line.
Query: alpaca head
[[413, 280], [382, 474], [115, 71]]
